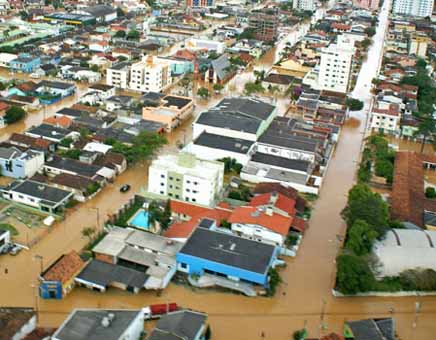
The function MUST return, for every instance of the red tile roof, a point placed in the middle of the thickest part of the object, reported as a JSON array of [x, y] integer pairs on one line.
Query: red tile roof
[[64, 268], [251, 215], [62, 121], [299, 224], [281, 202]]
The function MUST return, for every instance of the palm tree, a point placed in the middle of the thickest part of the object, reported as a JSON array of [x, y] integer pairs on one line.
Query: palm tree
[[426, 129], [260, 75]]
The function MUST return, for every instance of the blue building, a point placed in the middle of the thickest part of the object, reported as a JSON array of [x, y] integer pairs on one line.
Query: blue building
[[225, 255], [25, 63], [58, 279]]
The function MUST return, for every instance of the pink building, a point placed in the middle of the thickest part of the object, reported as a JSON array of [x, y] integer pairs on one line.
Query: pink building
[[367, 4]]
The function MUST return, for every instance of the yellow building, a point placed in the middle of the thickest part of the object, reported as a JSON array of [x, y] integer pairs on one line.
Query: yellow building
[[292, 68]]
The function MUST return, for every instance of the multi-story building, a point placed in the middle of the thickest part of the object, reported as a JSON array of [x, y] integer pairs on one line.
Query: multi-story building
[[150, 74], [199, 3], [335, 66], [264, 26], [416, 8], [118, 75], [367, 4], [184, 177], [418, 44], [386, 119], [304, 5]]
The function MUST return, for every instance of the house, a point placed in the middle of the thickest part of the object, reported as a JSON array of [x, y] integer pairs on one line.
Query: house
[[82, 187], [186, 178], [59, 165], [56, 88], [99, 275], [59, 121], [17, 164], [51, 133], [102, 13], [37, 144], [244, 118], [183, 324], [172, 111], [374, 329], [44, 197], [214, 147], [5, 238], [109, 324], [118, 75], [386, 120], [17, 322], [281, 81], [25, 63], [58, 279], [231, 257], [102, 91], [6, 58]]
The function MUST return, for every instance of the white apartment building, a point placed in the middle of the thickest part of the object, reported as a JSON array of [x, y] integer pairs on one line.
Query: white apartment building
[[184, 177], [416, 8], [304, 5], [150, 74], [118, 75], [386, 119], [336, 65]]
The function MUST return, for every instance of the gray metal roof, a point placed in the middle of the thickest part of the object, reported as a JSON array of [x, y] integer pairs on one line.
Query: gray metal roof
[[220, 66], [372, 329], [237, 145], [229, 120], [87, 324], [71, 165], [41, 191], [292, 164], [181, 324], [7, 153], [229, 250], [103, 274], [49, 131]]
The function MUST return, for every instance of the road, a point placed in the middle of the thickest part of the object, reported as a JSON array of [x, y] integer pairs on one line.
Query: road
[[303, 298]]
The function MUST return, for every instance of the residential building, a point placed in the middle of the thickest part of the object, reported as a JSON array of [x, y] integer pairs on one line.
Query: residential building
[[18, 164], [118, 75], [171, 112], [17, 322], [6, 58], [183, 324], [59, 165], [374, 329], [243, 118], [200, 3], [102, 13], [112, 324], [336, 67], [304, 5], [367, 4], [265, 26], [150, 74], [214, 253], [58, 279], [184, 177], [51, 133], [5, 238], [25, 63], [196, 44], [414, 8], [56, 88], [418, 44], [37, 195], [386, 119]]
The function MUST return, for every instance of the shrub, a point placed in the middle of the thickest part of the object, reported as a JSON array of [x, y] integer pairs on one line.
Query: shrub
[[430, 192], [354, 104], [419, 279], [353, 274], [14, 114]]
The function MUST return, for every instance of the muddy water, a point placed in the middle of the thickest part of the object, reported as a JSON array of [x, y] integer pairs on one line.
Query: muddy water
[[303, 298]]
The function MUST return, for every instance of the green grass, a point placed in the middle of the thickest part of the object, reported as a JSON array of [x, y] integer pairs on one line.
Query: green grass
[[10, 227]]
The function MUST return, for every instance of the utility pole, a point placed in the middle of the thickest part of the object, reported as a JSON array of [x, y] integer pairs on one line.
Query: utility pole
[[418, 306]]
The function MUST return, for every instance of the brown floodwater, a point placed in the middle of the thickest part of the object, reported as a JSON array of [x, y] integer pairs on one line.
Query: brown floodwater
[[304, 297]]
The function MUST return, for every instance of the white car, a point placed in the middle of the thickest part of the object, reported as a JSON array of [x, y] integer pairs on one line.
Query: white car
[[35, 76]]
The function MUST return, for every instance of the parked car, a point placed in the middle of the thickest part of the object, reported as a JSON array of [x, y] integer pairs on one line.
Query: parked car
[[35, 76], [15, 250], [125, 188]]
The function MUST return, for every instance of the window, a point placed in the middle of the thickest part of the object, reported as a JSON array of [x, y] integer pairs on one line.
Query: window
[[162, 184], [162, 176], [194, 200], [170, 194], [177, 196], [161, 192], [188, 190], [171, 178]]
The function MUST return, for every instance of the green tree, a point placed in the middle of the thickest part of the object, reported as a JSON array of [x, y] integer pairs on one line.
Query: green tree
[[365, 205], [260, 75], [426, 129], [354, 104], [250, 88], [120, 34], [72, 153], [360, 238], [248, 33], [300, 334], [14, 114], [133, 35], [385, 168], [370, 31], [88, 232], [165, 219], [218, 88], [95, 68], [66, 142], [430, 192], [203, 92], [353, 274], [274, 281]]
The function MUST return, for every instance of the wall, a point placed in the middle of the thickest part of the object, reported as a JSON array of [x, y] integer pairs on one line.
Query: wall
[[258, 233], [204, 152], [29, 327], [135, 329]]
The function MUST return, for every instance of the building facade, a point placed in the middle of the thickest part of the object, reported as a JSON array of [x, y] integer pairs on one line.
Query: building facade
[[199, 3], [150, 74], [336, 66], [118, 75], [186, 178], [416, 8], [265, 26], [367, 4], [304, 5]]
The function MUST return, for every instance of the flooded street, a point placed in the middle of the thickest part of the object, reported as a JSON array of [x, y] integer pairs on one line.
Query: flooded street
[[305, 294]]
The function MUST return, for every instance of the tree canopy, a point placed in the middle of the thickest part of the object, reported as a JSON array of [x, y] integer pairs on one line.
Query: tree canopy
[[14, 114], [353, 275]]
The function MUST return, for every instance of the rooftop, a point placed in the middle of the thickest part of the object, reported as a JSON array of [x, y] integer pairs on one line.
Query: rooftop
[[229, 250], [12, 319], [65, 268], [237, 145], [50, 195], [89, 324], [183, 324]]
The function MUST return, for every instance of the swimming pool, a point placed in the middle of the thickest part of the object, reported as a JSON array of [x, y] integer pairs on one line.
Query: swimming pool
[[140, 219]]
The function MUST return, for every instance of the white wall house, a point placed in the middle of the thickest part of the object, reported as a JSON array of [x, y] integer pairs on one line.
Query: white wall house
[[258, 233], [385, 121], [150, 74], [118, 75], [186, 178], [335, 66], [17, 164]]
